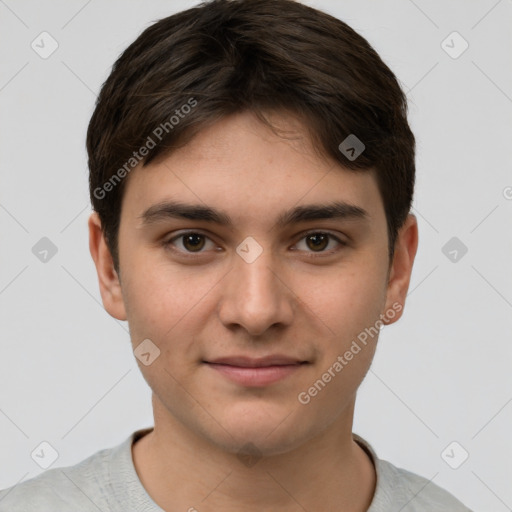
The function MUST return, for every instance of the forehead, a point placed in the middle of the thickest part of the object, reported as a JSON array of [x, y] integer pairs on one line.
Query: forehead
[[239, 164]]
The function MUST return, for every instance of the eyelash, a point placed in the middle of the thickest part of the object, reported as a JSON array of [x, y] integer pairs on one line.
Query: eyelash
[[169, 244]]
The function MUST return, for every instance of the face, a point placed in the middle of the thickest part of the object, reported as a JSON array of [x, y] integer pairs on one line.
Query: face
[[253, 286]]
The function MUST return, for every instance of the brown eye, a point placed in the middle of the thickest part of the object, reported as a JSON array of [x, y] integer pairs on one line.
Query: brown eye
[[317, 241], [193, 242], [320, 243], [190, 242]]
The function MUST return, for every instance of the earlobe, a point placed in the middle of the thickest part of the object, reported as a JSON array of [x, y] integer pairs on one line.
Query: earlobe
[[109, 282], [406, 246]]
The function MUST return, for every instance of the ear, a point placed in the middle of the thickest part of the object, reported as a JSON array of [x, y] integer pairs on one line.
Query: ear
[[400, 271], [110, 285]]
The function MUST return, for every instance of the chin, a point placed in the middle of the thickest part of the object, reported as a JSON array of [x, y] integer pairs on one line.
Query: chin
[[261, 434], [254, 447]]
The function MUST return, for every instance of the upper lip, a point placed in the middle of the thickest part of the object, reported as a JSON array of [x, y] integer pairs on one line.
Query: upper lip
[[250, 362]]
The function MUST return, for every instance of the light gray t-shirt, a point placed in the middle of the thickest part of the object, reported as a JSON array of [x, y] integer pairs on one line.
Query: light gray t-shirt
[[107, 482]]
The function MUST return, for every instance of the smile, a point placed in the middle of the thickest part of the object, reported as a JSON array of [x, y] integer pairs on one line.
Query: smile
[[256, 373]]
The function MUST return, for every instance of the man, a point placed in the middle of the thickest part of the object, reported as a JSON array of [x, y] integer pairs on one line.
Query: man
[[251, 173]]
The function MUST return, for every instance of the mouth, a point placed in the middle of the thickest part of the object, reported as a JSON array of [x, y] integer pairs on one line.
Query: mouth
[[256, 372]]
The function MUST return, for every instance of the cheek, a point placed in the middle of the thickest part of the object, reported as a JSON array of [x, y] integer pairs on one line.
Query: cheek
[[346, 308], [344, 302], [162, 302], [151, 289]]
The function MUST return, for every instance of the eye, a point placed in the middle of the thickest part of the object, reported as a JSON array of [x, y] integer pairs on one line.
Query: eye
[[191, 242], [318, 241]]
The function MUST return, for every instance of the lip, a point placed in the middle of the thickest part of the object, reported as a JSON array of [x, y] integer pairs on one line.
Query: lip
[[256, 372], [257, 362]]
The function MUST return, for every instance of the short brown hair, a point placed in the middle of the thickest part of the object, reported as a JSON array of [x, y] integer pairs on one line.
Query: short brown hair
[[228, 56]]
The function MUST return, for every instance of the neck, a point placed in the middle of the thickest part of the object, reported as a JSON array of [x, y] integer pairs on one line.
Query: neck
[[181, 470]]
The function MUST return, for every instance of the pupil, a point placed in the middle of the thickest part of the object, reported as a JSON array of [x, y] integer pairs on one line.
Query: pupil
[[318, 241], [194, 242]]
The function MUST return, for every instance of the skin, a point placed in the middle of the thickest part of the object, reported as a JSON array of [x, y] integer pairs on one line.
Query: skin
[[196, 306]]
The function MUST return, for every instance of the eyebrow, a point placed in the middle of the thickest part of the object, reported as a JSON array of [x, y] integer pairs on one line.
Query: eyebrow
[[166, 210]]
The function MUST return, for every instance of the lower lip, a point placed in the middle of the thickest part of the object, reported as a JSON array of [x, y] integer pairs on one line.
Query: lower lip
[[255, 377]]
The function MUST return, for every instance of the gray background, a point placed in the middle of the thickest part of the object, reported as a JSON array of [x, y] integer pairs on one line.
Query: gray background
[[441, 374]]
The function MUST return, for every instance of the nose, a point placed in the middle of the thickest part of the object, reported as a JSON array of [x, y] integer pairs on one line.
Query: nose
[[255, 296]]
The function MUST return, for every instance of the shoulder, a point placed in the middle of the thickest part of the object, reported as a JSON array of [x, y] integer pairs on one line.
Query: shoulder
[[415, 493], [78, 488], [399, 489]]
